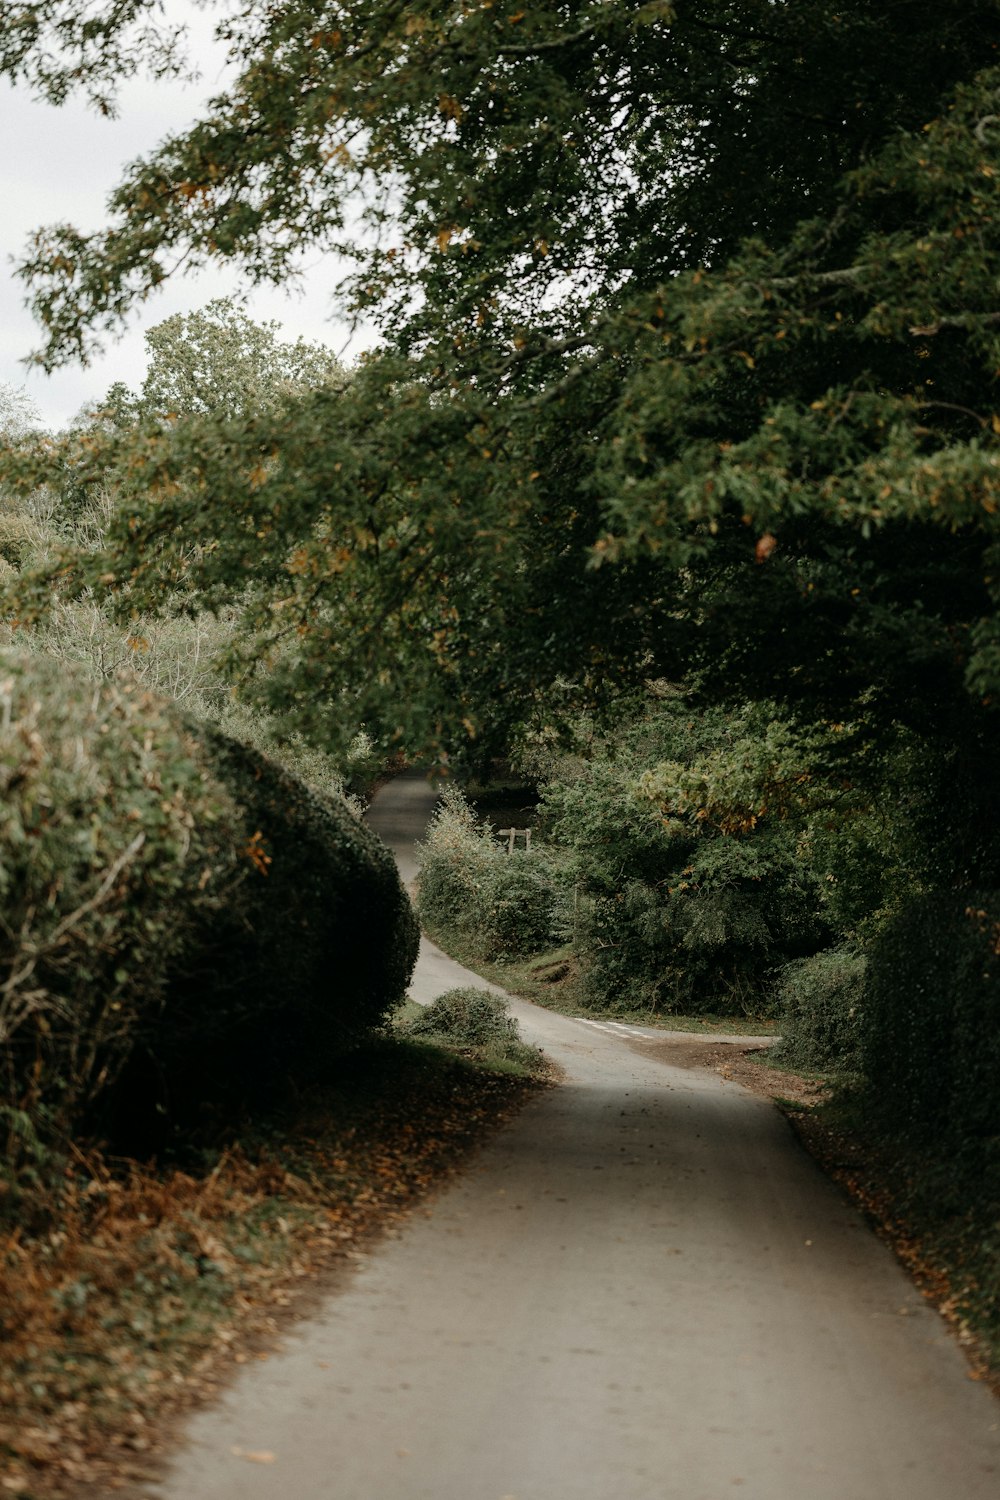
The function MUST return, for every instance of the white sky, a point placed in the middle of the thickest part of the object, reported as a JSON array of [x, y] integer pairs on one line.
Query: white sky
[[61, 164]]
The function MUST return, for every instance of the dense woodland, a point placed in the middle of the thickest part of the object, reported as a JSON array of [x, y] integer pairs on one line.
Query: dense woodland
[[673, 482]]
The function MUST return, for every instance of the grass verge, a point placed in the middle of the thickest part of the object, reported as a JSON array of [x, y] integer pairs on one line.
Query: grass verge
[[148, 1284]]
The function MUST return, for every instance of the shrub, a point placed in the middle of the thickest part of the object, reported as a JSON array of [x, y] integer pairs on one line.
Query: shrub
[[467, 1016], [116, 844], [509, 904], [821, 1010], [182, 920], [931, 1033], [477, 1023], [313, 951], [454, 860], [517, 904]]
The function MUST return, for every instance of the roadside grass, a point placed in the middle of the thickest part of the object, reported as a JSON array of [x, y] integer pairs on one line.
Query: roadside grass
[[553, 980], [142, 1286], [487, 1038]]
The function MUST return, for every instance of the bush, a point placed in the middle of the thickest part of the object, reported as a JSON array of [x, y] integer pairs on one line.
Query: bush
[[821, 1009], [931, 1033], [468, 1017], [454, 860], [181, 919], [508, 904], [517, 904], [116, 845], [312, 953], [477, 1024]]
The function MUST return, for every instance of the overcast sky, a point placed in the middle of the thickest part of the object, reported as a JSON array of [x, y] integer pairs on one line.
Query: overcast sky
[[61, 164]]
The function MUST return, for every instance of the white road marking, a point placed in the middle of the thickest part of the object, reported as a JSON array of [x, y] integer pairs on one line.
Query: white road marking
[[614, 1027]]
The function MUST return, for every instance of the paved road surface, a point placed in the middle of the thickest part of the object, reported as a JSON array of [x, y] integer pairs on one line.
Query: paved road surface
[[641, 1290]]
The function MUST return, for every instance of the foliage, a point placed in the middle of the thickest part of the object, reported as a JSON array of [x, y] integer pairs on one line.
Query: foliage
[[453, 859], [117, 844], [512, 903], [821, 1010], [175, 656], [692, 896], [780, 448], [218, 360], [478, 1025], [699, 393], [469, 1016], [931, 1013], [183, 921], [310, 956]]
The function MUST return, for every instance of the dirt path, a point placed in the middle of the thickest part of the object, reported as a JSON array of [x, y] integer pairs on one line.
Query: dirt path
[[641, 1290]]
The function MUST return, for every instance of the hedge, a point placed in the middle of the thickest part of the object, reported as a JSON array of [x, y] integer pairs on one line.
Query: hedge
[[170, 901], [821, 1007], [931, 1033], [312, 952], [116, 845]]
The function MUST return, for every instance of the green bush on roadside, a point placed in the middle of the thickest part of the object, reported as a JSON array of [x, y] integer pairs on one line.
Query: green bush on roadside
[[312, 953], [116, 845], [468, 1016], [931, 1033], [509, 904], [182, 920], [821, 1010], [477, 1024]]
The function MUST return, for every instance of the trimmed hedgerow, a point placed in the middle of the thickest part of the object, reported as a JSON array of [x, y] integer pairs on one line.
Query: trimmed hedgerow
[[182, 921], [931, 1033], [312, 953], [116, 845]]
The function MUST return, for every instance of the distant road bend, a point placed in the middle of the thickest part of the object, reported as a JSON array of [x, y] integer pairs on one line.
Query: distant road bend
[[642, 1289]]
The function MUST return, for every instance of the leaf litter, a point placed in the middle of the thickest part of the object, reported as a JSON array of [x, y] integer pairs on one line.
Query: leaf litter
[[143, 1286]]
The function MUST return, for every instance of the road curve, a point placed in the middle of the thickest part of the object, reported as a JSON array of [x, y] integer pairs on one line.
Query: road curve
[[642, 1289]]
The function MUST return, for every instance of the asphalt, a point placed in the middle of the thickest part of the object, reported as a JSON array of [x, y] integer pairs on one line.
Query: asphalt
[[641, 1289]]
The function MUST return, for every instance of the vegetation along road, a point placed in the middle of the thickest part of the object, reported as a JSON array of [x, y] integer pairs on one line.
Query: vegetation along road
[[642, 1288]]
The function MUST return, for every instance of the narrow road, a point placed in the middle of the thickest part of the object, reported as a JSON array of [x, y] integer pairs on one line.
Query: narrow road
[[642, 1289]]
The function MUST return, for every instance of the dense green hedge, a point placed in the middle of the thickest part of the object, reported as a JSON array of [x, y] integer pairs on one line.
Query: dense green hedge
[[313, 951], [931, 1032], [116, 845], [174, 910], [821, 1010]]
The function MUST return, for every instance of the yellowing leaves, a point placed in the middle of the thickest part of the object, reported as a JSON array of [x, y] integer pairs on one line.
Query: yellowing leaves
[[257, 854]]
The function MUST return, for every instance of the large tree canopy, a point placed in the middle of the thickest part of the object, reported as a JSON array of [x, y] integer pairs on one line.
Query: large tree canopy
[[690, 344]]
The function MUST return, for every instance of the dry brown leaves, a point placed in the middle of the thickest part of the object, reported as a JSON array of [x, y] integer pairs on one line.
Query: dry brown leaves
[[149, 1286]]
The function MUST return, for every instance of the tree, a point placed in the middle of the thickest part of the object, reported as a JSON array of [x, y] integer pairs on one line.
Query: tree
[[218, 361], [19, 416], [711, 371]]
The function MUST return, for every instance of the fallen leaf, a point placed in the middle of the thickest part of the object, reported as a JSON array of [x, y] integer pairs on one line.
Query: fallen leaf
[[260, 1456]]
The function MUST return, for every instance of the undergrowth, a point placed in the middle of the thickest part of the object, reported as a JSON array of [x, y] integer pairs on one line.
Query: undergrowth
[[149, 1282]]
